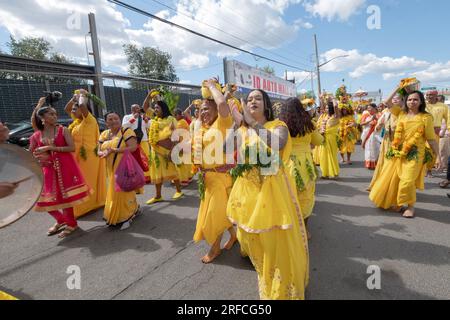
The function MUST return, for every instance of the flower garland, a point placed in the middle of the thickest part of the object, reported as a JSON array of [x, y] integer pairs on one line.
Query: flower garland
[[154, 131], [409, 148], [345, 131]]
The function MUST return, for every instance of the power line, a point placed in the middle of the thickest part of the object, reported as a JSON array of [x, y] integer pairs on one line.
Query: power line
[[270, 31], [227, 33], [127, 6]]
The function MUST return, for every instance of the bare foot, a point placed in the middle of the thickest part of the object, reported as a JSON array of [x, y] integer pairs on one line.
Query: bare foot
[[230, 243], [396, 209], [409, 213], [211, 256]]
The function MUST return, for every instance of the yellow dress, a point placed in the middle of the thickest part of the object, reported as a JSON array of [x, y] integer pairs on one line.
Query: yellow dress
[[119, 206], [400, 177], [4, 296], [212, 218], [389, 128], [184, 170], [329, 163], [271, 230], [301, 167], [316, 151], [348, 136], [85, 135], [162, 169]]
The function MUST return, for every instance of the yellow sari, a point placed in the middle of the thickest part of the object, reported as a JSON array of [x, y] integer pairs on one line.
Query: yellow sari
[[119, 206], [301, 167], [348, 135], [316, 151], [85, 135], [329, 163], [400, 177], [184, 170], [212, 215], [271, 229], [162, 169]]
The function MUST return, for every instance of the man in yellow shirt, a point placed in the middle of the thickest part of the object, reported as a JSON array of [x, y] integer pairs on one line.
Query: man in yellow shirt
[[438, 110]]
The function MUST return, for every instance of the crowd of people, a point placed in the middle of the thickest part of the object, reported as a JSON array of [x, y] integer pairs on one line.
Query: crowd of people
[[256, 165]]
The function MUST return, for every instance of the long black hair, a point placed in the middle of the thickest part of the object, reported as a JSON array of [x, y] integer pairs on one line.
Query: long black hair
[[268, 110], [423, 103], [165, 109], [330, 106], [296, 118]]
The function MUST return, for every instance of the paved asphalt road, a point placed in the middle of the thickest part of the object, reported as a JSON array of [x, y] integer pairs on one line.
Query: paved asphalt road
[[157, 259]]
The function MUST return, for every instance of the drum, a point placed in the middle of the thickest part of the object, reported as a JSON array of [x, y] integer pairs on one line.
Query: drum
[[18, 166]]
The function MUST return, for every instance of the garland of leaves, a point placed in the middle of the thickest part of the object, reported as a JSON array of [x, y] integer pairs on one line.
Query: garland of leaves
[[298, 177], [154, 131], [310, 170], [240, 169], [201, 186]]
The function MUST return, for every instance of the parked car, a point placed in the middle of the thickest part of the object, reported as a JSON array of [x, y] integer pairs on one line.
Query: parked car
[[20, 132]]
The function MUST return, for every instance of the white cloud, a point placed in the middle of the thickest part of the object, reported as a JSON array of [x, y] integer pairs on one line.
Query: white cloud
[[358, 64], [258, 22], [437, 72], [300, 76], [334, 9]]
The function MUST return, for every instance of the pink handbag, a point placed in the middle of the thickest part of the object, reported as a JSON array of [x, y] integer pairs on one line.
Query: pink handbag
[[129, 174]]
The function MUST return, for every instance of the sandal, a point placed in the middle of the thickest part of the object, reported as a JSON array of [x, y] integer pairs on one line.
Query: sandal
[[67, 232], [444, 184], [55, 229]]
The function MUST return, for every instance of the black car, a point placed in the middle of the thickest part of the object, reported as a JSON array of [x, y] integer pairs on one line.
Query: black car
[[20, 132]]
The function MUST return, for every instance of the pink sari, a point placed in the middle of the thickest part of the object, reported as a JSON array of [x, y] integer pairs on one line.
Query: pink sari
[[64, 185]]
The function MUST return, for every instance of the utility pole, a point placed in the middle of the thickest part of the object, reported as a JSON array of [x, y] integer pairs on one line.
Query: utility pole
[[98, 82], [312, 82], [318, 66], [225, 70]]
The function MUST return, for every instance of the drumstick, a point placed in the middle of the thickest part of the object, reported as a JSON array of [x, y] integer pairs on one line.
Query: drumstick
[[23, 180]]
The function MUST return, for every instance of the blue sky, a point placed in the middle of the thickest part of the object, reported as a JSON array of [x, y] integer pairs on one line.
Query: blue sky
[[411, 40]]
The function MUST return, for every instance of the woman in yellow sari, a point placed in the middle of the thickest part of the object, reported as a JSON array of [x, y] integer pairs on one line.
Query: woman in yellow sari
[[329, 128], [348, 132], [387, 124], [185, 169], [214, 179], [120, 207], [406, 169], [85, 134], [300, 165], [162, 169], [264, 205], [316, 151]]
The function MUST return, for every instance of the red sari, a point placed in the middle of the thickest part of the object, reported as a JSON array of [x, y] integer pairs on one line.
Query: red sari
[[64, 185]]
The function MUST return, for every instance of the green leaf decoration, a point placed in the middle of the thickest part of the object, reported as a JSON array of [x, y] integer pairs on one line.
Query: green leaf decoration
[[201, 186], [83, 153]]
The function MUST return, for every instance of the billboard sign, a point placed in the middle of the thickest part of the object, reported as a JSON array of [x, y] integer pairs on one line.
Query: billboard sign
[[248, 78]]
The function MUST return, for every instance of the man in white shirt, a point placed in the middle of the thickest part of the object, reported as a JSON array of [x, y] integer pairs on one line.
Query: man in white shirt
[[137, 120]]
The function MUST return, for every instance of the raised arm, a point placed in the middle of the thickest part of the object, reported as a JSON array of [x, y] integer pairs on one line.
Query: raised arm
[[222, 106], [39, 105]]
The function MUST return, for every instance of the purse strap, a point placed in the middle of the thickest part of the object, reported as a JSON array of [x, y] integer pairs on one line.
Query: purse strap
[[118, 145]]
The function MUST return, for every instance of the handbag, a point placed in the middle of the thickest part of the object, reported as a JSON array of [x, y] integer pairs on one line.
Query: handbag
[[139, 155], [129, 175]]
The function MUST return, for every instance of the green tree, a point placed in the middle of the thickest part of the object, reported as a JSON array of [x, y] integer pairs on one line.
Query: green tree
[[149, 63], [33, 48]]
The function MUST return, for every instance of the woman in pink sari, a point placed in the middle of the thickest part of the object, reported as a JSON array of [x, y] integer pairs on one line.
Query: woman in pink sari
[[64, 185], [370, 143]]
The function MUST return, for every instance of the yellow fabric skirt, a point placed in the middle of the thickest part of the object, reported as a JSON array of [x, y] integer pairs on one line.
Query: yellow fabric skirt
[[184, 172], [329, 163], [385, 146], [398, 181], [119, 206], [94, 172], [146, 149], [212, 218], [316, 155], [348, 146], [162, 169], [306, 195], [4, 296], [272, 233]]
